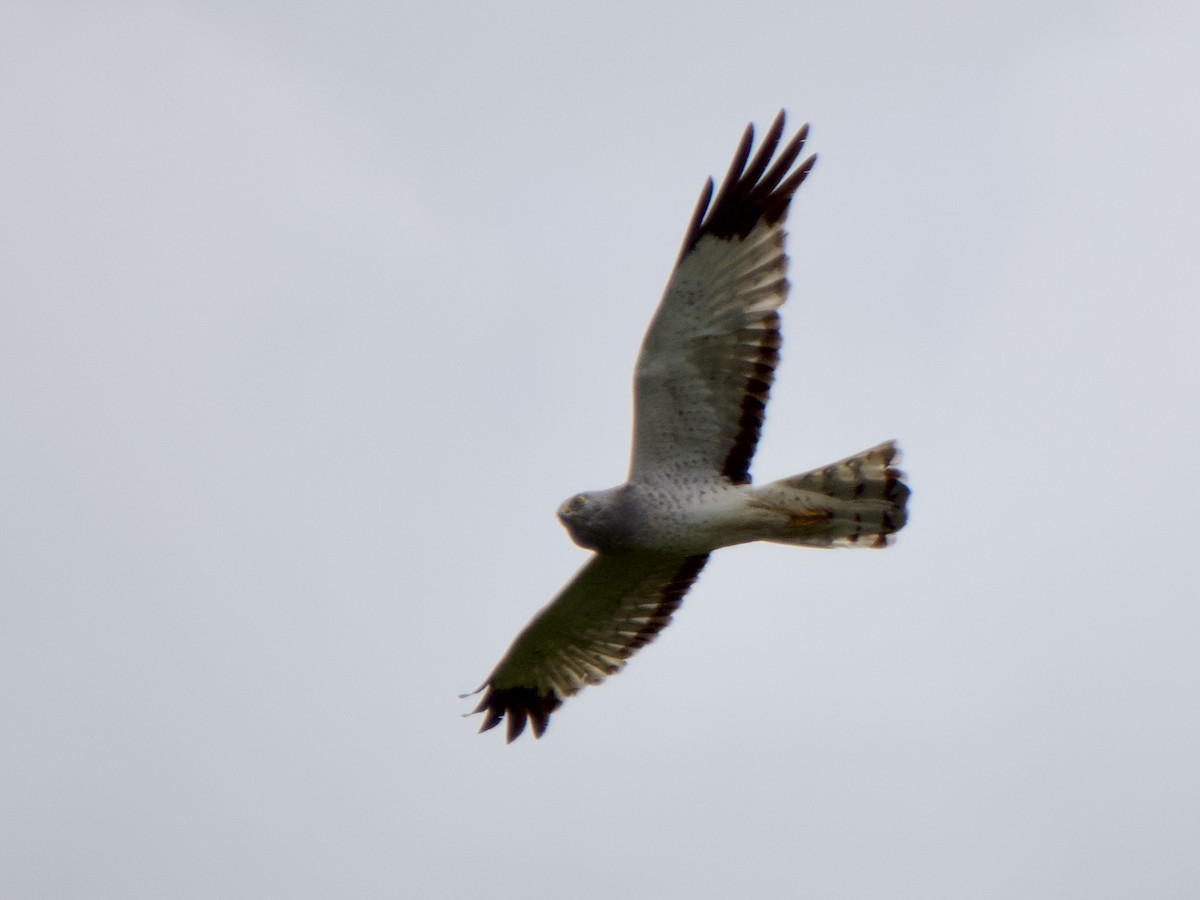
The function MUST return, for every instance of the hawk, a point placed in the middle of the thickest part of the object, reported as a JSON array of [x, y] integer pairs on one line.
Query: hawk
[[700, 389]]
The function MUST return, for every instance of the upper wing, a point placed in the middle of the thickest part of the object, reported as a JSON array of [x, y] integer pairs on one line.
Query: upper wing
[[708, 359], [616, 604]]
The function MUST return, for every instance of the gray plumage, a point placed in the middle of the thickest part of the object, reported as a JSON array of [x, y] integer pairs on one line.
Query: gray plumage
[[701, 385]]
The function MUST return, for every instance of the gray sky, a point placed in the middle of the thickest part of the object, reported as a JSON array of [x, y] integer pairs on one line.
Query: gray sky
[[311, 314]]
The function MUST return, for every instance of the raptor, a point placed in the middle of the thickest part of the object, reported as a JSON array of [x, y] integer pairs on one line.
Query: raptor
[[701, 383]]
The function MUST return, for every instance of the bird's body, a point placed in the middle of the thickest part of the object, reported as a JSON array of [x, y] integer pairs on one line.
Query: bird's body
[[701, 386], [684, 517], [698, 514]]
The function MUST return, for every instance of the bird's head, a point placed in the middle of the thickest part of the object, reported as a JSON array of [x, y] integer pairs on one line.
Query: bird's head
[[594, 520]]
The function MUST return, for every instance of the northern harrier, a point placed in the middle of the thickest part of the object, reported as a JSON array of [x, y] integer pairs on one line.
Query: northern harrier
[[701, 384]]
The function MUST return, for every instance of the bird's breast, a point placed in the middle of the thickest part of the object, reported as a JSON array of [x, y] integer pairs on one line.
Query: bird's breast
[[692, 517]]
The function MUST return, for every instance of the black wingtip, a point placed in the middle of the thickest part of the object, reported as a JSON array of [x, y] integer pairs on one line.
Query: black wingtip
[[517, 706], [754, 189]]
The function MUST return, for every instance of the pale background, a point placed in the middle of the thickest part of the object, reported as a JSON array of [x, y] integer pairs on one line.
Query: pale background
[[312, 313]]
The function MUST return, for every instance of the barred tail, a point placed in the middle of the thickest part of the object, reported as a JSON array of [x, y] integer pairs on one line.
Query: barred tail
[[858, 502]]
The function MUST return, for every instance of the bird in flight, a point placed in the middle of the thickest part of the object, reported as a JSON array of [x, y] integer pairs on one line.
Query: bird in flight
[[700, 389]]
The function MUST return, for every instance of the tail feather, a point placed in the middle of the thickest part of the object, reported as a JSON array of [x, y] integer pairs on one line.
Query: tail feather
[[858, 502]]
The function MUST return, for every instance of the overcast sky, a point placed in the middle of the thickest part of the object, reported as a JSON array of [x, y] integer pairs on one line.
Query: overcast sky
[[312, 313]]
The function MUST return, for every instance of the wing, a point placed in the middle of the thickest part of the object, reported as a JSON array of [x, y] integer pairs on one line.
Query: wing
[[616, 604], [709, 356]]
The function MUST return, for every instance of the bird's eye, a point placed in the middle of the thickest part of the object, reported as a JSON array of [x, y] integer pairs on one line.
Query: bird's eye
[[579, 501]]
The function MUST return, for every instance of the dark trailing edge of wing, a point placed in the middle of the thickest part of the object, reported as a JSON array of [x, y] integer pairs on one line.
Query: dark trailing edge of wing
[[750, 194], [523, 704], [670, 600], [754, 403]]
